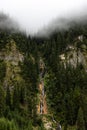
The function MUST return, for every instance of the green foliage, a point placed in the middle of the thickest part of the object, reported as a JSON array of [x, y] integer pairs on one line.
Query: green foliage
[[80, 120], [5, 124], [2, 70], [2, 101], [30, 127], [66, 87], [8, 97], [15, 98], [41, 127]]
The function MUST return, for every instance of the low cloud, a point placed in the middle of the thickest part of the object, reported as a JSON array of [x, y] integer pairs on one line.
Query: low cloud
[[33, 15], [63, 23], [6, 23]]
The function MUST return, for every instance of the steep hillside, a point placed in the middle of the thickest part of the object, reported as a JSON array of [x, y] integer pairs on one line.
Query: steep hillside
[[18, 82], [43, 81]]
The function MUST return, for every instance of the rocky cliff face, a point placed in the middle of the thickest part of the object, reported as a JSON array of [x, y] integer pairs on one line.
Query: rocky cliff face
[[11, 57], [75, 54]]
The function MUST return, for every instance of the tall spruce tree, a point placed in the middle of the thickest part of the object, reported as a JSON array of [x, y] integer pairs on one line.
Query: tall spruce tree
[[2, 101], [8, 97], [80, 120]]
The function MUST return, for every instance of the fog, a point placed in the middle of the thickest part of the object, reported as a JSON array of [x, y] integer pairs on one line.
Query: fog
[[8, 23], [33, 16]]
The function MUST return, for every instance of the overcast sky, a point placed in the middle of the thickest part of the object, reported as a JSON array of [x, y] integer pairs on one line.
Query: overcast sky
[[33, 15]]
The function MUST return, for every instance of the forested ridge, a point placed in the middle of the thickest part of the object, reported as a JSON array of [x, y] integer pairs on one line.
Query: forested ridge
[[64, 54]]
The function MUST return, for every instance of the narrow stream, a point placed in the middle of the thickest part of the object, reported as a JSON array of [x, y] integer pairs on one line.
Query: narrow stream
[[42, 92]]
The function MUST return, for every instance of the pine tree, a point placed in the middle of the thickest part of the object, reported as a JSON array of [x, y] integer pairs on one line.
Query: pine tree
[[80, 120], [30, 127], [8, 97], [2, 101], [15, 98]]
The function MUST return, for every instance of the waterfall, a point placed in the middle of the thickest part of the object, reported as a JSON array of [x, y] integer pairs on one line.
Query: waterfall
[[41, 108], [42, 105]]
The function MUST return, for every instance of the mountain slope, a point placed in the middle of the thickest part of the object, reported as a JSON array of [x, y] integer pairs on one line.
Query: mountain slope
[[49, 73]]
